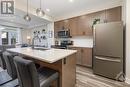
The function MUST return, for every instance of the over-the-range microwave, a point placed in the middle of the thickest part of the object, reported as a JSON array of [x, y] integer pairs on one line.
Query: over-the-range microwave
[[65, 33]]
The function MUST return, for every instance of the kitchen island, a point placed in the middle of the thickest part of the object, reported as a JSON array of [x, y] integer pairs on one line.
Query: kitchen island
[[61, 60]]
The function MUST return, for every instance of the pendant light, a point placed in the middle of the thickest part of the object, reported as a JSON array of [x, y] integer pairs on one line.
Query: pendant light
[[39, 11], [27, 17]]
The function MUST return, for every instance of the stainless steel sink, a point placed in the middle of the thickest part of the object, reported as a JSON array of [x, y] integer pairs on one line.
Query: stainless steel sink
[[40, 48]]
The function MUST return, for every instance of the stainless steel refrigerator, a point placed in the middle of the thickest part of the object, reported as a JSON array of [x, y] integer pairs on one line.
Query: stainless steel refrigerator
[[108, 50]]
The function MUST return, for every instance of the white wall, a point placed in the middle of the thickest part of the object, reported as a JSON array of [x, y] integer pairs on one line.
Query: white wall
[[24, 34], [43, 42], [49, 29], [128, 41]]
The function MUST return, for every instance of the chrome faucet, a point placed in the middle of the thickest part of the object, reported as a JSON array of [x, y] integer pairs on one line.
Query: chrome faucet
[[35, 37]]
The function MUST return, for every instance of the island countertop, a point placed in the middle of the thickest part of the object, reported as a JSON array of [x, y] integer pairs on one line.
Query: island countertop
[[50, 55]]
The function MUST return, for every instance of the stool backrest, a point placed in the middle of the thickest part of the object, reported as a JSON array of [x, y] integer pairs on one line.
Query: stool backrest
[[2, 61], [9, 60], [27, 73]]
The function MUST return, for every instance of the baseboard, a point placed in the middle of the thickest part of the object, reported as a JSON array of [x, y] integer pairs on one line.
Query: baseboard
[[127, 81]]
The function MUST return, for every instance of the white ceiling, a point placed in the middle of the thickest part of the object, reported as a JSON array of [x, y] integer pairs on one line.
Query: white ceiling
[[18, 19], [59, 9], [62, 8]]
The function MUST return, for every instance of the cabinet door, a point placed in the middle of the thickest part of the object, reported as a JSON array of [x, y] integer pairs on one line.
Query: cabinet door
[[56, 28], [98, 15], [113, 15], [73, 26], [86, 57], [83, 28], [59, 26], [66, 24], [79, 59], [78, 55]]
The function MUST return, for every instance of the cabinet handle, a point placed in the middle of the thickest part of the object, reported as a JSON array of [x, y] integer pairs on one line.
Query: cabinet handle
[[64, 60], [82, 50], [84, 33]]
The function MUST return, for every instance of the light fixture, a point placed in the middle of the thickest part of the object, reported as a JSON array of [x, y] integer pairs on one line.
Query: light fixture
[[28, 37], [48, 10], [39, 11], [27, 17], [71, 0]]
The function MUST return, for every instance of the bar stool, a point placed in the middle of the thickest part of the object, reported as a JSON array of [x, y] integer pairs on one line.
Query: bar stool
[[2, 61], [9, 60], [10, 74], [2, 49], [29, 77]]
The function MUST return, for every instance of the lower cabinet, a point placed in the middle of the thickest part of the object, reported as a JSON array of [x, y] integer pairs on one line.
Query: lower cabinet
[[83, 56]]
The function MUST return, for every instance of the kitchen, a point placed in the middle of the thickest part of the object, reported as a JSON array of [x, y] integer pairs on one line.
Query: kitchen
[[75, 30]]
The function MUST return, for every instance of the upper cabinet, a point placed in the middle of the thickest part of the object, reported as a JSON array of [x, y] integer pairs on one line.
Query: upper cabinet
[[64, 24], [113, 14], [73, 26], [82, 25]]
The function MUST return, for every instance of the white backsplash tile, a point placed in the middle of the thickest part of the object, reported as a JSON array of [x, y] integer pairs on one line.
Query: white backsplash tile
[[83, 41]]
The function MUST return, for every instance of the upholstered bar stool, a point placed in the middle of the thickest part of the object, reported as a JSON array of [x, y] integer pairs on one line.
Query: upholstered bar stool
[[10, 66], [29, 77], [11, 70], [2, 61], [2, 49]]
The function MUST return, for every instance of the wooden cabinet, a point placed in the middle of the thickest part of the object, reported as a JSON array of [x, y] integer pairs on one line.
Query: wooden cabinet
[[83, 56], [82, 25], [98, 15], [78, 55], [73, 26], [59, 25], [113, 14], [86, 54]]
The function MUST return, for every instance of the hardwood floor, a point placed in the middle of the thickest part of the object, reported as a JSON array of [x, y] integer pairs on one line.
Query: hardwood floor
[[86, 78]]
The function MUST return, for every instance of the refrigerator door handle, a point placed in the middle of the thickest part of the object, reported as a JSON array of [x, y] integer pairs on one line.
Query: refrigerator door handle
[[108, 59], [94, 36]]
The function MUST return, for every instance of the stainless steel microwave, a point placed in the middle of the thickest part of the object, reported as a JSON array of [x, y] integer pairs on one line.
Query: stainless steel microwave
[[64, 34]]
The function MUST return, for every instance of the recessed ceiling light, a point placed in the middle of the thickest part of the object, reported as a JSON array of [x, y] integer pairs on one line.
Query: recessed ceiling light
[[48, 10], [71, 0]]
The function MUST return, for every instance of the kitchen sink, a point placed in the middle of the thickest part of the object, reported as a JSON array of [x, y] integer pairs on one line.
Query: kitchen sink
[[40, 48]]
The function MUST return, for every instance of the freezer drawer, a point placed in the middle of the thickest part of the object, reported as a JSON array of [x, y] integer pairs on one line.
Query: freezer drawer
[[107, 67]]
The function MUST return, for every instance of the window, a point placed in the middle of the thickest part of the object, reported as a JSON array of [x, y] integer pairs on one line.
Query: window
[[4, 35], [9, 36]]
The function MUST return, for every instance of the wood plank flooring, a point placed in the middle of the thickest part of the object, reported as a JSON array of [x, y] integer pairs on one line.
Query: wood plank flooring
[[86, 78]]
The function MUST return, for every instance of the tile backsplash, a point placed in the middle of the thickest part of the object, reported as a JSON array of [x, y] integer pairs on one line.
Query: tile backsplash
[[83, 41], [79, 41]]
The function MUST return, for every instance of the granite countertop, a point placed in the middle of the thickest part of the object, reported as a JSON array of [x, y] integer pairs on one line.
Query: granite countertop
[[48, 55]]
